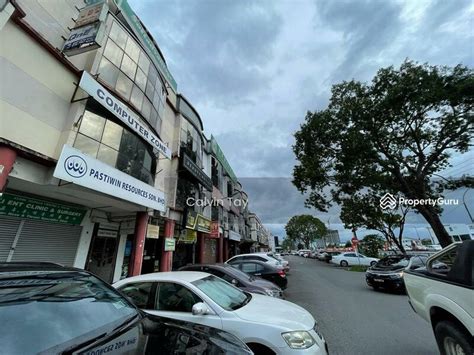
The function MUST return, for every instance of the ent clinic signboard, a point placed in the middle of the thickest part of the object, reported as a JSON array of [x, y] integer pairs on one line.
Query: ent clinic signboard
[[81, 169], [122, 112]]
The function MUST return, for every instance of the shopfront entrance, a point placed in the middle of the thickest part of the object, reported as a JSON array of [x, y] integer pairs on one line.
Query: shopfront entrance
[[103, 252]]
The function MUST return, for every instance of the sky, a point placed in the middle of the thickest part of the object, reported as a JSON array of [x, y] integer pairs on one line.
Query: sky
[[253, 68]]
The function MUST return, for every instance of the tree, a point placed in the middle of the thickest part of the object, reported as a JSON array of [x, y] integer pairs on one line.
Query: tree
[[348, 244], [288, 244], [394, 134], [370, 245], [362, 210], [305, 229]]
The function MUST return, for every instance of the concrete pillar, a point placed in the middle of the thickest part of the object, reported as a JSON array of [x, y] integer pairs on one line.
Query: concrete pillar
[[138, 243], [220, 249], [7, 159], [226, 249], [166, 261], [200, 248]]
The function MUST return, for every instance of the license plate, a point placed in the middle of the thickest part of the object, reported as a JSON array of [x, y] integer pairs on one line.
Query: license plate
[[378, 280]]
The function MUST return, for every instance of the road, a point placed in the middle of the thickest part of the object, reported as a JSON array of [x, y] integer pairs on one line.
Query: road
[[354, 318]]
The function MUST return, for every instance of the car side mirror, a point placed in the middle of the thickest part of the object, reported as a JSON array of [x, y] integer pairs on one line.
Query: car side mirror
[[234, 282], [199, 309]]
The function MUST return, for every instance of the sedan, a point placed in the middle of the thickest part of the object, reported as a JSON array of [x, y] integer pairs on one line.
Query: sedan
[[351, 258], [238, 278], [266, 324], [388, 272], [263, 257], [263, 270]]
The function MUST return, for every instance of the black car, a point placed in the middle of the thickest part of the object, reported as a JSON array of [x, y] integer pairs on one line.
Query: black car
[[263, 270], [238, 278], [50, 309], [388, 272]]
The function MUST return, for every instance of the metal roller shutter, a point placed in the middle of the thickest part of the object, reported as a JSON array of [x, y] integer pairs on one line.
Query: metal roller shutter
[[8, 229], [45, 241]]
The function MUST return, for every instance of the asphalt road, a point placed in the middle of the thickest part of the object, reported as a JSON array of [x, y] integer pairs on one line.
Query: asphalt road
[[354, 318]]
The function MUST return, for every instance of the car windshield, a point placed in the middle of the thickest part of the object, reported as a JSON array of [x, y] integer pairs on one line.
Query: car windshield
[[394, 261], [56, 310], [223, 293]]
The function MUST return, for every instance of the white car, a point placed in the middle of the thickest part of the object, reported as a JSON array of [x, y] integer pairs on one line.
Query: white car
[[266, 324], [265, 257], [351, 258]]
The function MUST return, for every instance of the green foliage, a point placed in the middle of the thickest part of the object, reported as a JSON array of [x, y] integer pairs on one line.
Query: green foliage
[[348, 244], [370, 245], [358, 268], [288, 244], [304, 229], [391, 135]]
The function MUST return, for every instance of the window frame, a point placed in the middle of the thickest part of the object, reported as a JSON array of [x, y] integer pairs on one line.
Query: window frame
[[152, 297], [157, 296]]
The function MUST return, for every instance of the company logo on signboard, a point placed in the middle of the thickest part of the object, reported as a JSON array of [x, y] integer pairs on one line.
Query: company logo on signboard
[[75, 166]]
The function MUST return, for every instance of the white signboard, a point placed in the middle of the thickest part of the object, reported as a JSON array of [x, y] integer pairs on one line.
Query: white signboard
[[122, 112], [234, 236], [91, 13], [81, 169]]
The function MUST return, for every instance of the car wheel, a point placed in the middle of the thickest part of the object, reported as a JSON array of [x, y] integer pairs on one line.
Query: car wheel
[[260, 349], [372, 263], [452, 339], [344, 263]]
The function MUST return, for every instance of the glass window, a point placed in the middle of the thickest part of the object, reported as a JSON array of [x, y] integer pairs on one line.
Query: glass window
[[129, 67], [158, 124], [137, 97], [112, 134], [51, 301], [147, 161], [442, 265], [153, 117], [146, 109], [107, 155], [152, 75], [92, 125], [225, 295], [175, 298], [259, 268], [118, 35], [144, 62], [86, 145], [108, 72], [132, 49], [139, 293], [249, 267], [140, 79], [124, 86], [150, 90], [113, 53]]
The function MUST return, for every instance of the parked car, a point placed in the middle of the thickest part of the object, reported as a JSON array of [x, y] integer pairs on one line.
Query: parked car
[[303, 252], [285, 263], [442, 293], [330, 254], [351, 258], [321, 256], [388, 272], [238, 278], [264, 257], [266, 324], [434, 247], [263, 270], [50, 309]]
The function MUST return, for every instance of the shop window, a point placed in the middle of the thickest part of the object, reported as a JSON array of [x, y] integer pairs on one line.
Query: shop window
[[124, 86], [113, 53], [146, 109], [140, 79], [132, 49], [116, 146], [137, 97], [129, 67], [118, 35], [144, 62], [108, 72], [87, 145]]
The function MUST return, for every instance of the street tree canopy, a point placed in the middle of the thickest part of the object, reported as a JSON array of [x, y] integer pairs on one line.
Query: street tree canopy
[[305, 229], [394, 134], [370, 245]]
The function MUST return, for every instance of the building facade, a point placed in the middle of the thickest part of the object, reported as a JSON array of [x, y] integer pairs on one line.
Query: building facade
[[101, 157]]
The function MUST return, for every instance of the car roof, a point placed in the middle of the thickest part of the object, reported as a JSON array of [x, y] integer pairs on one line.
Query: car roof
[[34, 266], [186, 276]]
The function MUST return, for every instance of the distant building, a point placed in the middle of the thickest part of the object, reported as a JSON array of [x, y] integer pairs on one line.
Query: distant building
[[331, 237], [457, 232]]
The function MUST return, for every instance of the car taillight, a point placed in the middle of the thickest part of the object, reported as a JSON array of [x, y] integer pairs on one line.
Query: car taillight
[[281, 273]]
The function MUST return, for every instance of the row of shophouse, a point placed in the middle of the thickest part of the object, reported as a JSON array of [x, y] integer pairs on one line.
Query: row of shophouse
[[104, 164]]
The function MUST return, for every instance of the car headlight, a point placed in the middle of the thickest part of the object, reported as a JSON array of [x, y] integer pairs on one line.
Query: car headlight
[[397, 275], [298, 339]]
